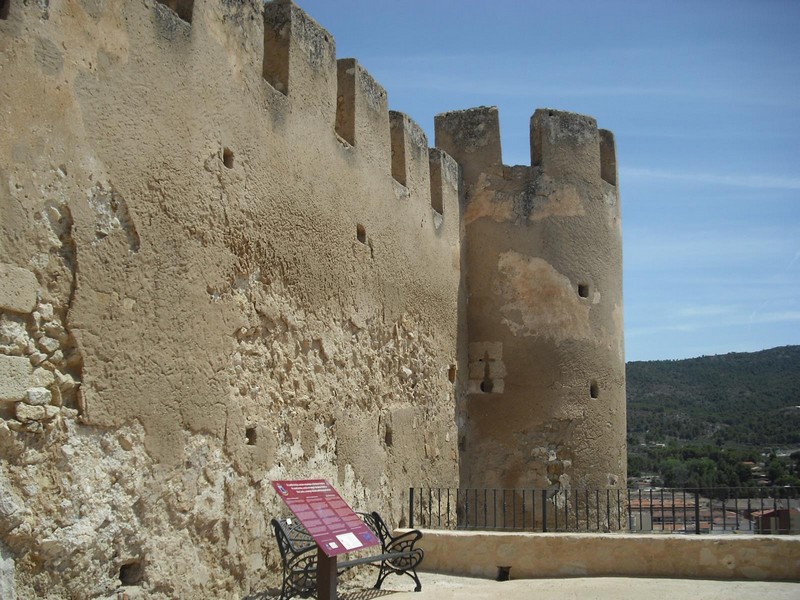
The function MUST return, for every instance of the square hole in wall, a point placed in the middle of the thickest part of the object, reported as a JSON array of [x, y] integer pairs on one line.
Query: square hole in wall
[[387, 437], [451, 374], [252, 436], [594, 389], [132, 573], [583, 290], [227, 157]]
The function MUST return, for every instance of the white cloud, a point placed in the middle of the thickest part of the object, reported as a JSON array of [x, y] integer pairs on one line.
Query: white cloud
[[754, 180], [693, 250], [693, 319]]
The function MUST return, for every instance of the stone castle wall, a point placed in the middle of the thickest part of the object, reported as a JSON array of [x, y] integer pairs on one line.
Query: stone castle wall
[[221, 265], [224, 260]]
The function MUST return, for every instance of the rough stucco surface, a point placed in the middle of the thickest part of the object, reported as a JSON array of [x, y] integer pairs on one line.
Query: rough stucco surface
[[194, 313]]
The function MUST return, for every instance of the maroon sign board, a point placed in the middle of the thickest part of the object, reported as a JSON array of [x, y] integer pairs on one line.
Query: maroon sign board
[[331, 522]]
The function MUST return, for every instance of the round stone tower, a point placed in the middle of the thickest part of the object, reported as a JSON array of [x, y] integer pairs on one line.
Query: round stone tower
[[545, 403]]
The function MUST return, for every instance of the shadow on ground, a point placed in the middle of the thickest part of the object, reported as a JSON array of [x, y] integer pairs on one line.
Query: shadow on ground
[[345, 594]]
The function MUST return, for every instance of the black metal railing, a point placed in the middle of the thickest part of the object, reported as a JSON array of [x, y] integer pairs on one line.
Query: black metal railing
[[763, 510]]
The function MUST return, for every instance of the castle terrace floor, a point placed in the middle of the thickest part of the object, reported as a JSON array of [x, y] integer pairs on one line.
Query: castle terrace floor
[[447, 587]]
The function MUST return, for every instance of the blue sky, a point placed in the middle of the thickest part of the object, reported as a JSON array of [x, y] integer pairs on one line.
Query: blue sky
[[704, 100]]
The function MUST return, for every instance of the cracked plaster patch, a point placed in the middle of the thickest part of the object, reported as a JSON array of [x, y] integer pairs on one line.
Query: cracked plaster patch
[[540, 301]]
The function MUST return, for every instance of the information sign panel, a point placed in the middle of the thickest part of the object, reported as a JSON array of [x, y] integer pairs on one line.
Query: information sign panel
[[331, 522]]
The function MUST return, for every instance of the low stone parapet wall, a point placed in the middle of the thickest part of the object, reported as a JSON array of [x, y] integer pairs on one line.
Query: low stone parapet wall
[[533, 555]]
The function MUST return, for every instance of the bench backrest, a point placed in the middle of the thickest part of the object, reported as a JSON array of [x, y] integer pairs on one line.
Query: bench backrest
[[293, 539]]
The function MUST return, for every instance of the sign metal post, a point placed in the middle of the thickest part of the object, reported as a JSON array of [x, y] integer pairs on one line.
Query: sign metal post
[[327, 576]]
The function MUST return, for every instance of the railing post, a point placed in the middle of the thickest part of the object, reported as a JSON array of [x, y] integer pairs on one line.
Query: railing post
[[544, 511], [697, 512], [411, 508]]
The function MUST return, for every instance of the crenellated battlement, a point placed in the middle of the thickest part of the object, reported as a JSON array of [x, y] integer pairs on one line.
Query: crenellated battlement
[[299, 58], [563, 144], [299, 61]]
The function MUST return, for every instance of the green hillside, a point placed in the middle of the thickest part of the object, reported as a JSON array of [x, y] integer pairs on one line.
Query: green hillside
[[745, 400]]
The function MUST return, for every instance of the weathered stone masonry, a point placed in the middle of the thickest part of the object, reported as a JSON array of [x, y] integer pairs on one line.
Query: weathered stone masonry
[[224, 260]]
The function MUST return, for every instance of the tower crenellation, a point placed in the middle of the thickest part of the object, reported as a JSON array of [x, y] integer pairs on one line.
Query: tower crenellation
[[565, 145], [472, 137]]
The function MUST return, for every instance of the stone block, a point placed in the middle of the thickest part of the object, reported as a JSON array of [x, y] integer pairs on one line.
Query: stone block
[[7, 575], [38, 396], [42, 378], [48, 345], [26, 412], [38, 358], [477, 369], [18, 289], [15, 377]]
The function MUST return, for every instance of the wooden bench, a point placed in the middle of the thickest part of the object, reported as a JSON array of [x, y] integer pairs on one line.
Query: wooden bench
[[299, 555]]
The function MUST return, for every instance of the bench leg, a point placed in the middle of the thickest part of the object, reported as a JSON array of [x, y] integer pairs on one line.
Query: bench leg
[[382, 574], [413, 574]]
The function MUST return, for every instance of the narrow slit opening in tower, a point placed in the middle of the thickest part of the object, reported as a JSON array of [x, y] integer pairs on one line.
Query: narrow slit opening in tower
[[5, 7], [608, 157], [361, 233], [536, 146], [594, 389], [345, 125], [583, 290], [132, 573], [182, 8], [252, 436], [437, 202], [397, 136], [227, 158], [387, 437], [276, 57]]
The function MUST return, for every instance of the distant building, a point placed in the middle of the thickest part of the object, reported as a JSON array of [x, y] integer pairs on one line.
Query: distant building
[[777, 520]]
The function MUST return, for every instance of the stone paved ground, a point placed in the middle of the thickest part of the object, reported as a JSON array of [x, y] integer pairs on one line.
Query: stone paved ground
[[446, 587], [436, 586]]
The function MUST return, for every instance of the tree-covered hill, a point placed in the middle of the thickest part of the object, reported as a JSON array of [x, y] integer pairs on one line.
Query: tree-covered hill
[[745, 400]]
